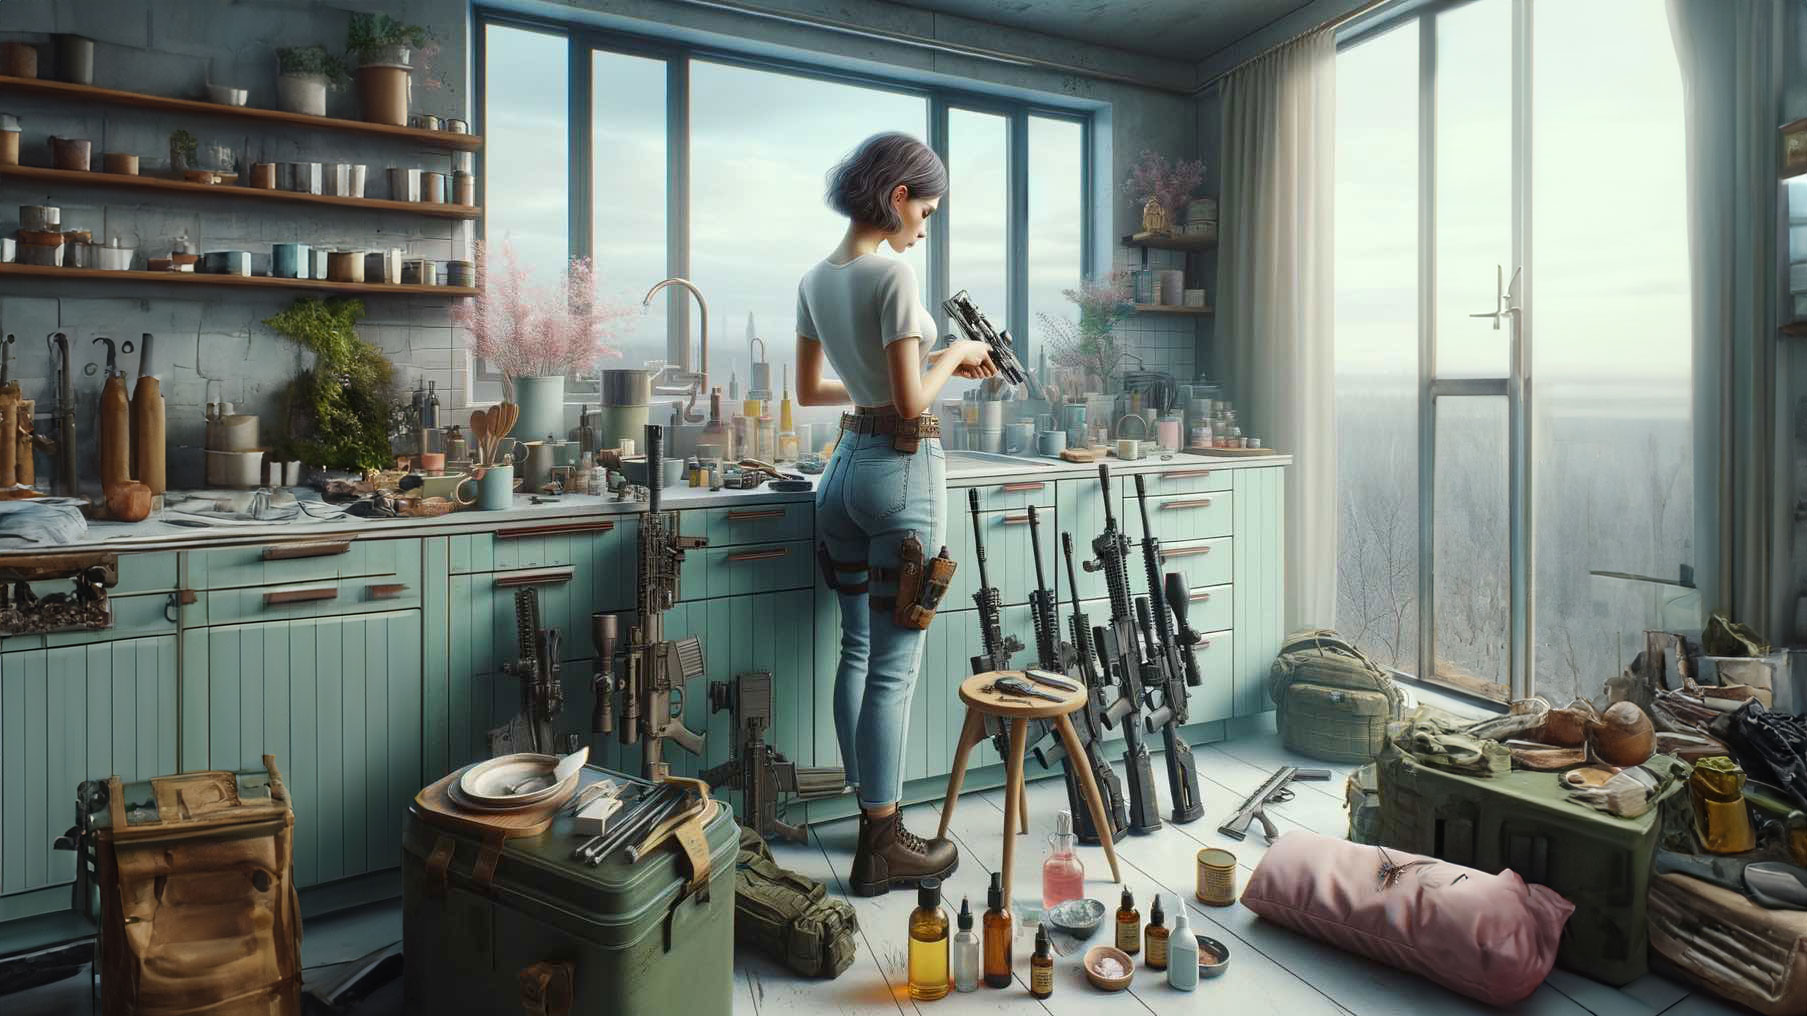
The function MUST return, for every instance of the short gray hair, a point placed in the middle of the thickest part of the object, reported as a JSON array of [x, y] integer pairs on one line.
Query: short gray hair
[[860, 185]]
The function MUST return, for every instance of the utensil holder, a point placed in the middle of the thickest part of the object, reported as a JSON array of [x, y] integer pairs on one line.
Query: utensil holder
[[495, 491]]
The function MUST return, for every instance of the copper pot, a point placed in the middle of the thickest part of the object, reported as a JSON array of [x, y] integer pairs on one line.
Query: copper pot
[[71, 153], [120, 162], [19, 59]]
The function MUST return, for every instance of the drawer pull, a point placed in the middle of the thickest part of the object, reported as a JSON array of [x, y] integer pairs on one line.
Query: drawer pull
[[1014, 520], [313, 548], [757, 555], [1021, 488], [387, 591], [1185, 474], [750, 515], [554, 530], [278, 597], [542, 577], [1199, 502], [1200, 597], [1169, 553]]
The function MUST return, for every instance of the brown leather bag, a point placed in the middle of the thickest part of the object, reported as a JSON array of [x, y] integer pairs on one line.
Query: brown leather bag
[[197, 896]]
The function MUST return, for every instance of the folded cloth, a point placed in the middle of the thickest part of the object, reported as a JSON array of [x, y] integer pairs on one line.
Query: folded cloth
[[1771, 746], [41, 522], [1442, 741], [1490, 937]]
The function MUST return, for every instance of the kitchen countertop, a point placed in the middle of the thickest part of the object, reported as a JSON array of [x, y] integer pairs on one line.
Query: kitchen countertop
[[157, 533]]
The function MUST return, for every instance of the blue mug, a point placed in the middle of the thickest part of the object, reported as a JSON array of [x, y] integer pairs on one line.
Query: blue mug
[[495, 491], [1051, 442], [290, 261]]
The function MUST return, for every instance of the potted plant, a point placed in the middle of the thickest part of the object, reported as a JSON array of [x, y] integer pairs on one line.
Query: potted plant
[[1162, 189], [537, 335], [339, 408], [1088, 348], [304, 73], [383, 48], [182, 149]]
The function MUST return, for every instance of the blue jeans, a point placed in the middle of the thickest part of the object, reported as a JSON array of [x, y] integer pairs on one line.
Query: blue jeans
[[870, 499]]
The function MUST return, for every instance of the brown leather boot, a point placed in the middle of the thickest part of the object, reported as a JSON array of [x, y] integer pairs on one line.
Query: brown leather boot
[[890, 855]]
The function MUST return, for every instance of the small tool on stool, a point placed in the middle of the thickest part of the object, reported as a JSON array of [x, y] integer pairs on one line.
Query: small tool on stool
[[1016, 687]]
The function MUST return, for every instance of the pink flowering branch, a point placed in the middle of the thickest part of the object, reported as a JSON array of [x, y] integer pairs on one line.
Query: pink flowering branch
[[527, 330], [1169, 185]]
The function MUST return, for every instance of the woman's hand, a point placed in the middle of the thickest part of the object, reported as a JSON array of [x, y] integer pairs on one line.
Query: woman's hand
[[974, 359]]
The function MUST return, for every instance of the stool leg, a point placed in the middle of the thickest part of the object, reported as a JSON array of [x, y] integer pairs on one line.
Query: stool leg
[[1101, 819], [1022, 806], [969, 736], [1013, 797]]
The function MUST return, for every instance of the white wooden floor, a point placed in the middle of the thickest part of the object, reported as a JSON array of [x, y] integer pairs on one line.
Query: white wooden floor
[[1271, 970]]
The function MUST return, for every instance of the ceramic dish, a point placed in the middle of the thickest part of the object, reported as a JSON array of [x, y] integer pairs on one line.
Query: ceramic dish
[[1213, 957], [1077, 917], [492, 782], [1099, 972], [226, 95]]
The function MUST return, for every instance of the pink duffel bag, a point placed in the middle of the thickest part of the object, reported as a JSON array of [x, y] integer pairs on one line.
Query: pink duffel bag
[[1490, 937]]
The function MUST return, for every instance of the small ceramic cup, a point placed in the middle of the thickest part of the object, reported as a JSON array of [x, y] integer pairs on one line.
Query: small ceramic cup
[[290, 260], [495, 490], [1051, 442]]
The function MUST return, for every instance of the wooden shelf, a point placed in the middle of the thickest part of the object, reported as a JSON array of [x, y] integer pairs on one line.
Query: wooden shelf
[[165, 184], [91, 93], [1171, 242], [1161, 308], [252, 281]]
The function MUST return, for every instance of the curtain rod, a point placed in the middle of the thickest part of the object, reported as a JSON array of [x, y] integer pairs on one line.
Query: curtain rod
[[1336, 22]]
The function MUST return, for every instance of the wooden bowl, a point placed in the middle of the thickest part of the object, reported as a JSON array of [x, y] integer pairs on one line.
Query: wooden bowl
[[1102, 981]]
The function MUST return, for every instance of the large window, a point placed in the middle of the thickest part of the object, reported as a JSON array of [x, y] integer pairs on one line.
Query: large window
[[659, 160], [1513, 351]]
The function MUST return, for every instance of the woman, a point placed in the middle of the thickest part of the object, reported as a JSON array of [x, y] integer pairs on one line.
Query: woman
[[887, 480]]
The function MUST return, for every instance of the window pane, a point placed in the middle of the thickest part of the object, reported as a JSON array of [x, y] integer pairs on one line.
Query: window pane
[[1473, 606], [628, 165], [525, 112], [1056, 222], [1613, 465], [1474, 185], [1377, 345], [978, 206], [761, 147]]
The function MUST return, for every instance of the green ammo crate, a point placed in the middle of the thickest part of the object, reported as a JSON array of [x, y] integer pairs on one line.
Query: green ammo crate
[[631, 939], [1524, 821]]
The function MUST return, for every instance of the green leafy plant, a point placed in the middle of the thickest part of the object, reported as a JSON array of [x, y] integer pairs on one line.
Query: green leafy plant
[[338, 410], [371, 33], [183, 144], [313, 60]]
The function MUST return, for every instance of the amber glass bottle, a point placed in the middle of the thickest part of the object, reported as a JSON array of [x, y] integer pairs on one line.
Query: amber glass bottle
[[1129, 925], [1156, 934], [928, 944], [1041, 965], [998, 933]]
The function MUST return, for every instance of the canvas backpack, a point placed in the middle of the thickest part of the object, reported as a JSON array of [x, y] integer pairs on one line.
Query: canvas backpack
[[1333, 702], [789, 916]]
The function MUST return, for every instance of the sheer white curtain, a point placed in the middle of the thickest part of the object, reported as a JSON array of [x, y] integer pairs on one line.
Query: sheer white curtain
[[1276, 293]]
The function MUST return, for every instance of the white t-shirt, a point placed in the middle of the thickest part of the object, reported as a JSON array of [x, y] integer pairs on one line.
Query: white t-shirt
[[855, 310]]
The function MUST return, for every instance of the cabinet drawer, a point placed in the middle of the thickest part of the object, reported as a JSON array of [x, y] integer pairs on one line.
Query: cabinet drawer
[[1003, 494], [1179, 516], [1080, 507], [1210, 609], [320, 598], [759, 523], [145, 573], [740, 571], [1203, 563], [1008, 563], [543, 545], [312, 560], [1187, 479], [1215, 699]]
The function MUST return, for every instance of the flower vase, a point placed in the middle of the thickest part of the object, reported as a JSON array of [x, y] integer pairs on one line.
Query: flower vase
[[542, 402]]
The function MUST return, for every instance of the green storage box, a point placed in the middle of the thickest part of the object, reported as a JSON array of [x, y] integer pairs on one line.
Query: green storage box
[[631, 938], [1524, 821]]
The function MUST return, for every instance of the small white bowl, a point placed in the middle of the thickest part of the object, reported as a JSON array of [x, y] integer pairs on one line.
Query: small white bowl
[[226, 95]]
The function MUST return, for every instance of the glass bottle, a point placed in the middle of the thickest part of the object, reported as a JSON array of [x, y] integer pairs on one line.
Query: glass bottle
[[966, 960], [1156, 936], [1129, 925], [1182, 954], [1063, 875], [928, 944], [1041, 965], [715, 432], [768, 437], [998, 935]]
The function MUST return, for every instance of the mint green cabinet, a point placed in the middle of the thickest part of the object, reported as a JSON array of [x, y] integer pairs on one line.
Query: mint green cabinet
[[1008, 562], [337, 700], [70, 714], [1259, 549], [1080, 510]]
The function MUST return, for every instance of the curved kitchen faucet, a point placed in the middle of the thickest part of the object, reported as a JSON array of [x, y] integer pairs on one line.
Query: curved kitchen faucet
[[695, 381]]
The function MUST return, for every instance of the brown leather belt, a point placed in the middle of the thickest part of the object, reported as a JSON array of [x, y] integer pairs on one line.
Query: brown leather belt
[[864, 421]]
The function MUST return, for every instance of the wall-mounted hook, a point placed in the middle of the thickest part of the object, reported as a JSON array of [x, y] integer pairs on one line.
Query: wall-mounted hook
[[112, 356]]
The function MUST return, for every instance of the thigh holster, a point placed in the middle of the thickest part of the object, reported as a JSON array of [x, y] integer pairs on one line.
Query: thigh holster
[[920, 584], [832, 571]]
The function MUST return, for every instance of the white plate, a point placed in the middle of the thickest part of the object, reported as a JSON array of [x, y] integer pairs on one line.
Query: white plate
[[491, 782]]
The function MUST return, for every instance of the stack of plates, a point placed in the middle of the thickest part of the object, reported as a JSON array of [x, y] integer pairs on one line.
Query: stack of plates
[[515, 781]]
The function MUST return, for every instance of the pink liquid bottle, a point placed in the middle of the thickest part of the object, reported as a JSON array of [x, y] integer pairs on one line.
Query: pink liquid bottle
[[1063, 876]]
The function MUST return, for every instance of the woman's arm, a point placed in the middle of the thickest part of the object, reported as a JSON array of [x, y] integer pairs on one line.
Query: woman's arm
[[812, 388], [913, 392]]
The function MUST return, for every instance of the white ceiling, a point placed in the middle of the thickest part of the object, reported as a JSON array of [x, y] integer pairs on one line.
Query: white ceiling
[[1188, 30]]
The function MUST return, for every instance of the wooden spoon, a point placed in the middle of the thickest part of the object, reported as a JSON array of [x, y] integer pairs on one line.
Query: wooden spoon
[[480, 428]]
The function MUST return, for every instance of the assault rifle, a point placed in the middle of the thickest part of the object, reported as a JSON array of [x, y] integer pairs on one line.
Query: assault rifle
[[755, 768], [1273, 791], [657, 668], [542, 690], [1119, 654], [976, 326], [1089, 726], [1172, 674], [995, 648]]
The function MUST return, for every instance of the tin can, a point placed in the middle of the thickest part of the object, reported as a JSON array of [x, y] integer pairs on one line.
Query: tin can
[[1216, 877]]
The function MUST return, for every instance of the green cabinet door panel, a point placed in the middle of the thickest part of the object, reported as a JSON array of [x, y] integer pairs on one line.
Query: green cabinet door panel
[[71, 714], [1188, 479], [1080, 511], [1176, 517], [231, 567], [435, 658], [713, 571], [135, 616], [337, 701], [1202, 562], [1011, 494], [754, 523], [543, 545], [1260, 602], [1008, 563]]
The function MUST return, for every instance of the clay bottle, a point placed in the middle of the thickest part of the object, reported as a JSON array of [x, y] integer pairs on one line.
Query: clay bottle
[[115, 433], [149, 441]]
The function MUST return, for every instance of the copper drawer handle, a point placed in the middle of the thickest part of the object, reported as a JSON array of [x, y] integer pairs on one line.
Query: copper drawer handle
[[1014, 520], [542, 577], [1169, 553], [1200, 597], [1021, 488], [1201, 502], [1203, 644], [757, 555], [1185, 474], [554, 530], [755, 516], [388, 591], [295, 551], [280, 597]]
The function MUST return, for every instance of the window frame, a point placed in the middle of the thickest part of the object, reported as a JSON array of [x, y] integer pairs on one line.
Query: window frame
[[583, 40]]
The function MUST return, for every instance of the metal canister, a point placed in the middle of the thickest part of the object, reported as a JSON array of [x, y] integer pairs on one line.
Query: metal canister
[[1216, 877], [1722, 822]]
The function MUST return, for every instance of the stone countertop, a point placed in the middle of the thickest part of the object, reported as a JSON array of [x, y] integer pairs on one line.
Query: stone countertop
[[160, 533]]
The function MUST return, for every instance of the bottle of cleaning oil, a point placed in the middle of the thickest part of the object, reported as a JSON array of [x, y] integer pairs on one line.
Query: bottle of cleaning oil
[[1063, 875], [998, 935], [928, 944], [1129, 925], [1182, 954], [787, 430], [1041, 965], [965, 952], [1155, 936]]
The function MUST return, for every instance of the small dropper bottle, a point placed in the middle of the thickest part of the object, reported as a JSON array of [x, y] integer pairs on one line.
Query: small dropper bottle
[[1129, 925], [1041, 965], [1155, 937], [965, 959]]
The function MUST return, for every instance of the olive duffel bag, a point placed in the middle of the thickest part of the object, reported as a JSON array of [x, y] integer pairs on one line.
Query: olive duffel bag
[[1333, 702]]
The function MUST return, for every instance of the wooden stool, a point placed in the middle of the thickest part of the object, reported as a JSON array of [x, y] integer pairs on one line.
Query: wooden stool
[[980, 704]]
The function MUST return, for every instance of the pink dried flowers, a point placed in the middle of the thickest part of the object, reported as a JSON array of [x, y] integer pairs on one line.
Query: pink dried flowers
[[1169, 185], [529, 330]]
